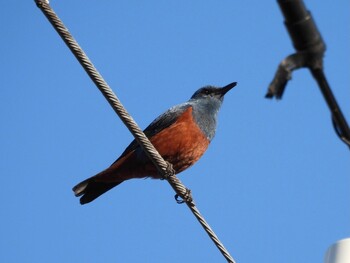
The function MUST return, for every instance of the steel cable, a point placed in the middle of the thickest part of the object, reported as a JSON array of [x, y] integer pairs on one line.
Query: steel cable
[[164, 168]]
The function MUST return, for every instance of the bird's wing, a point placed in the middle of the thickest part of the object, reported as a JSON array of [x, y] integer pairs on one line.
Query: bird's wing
[[161, 122]]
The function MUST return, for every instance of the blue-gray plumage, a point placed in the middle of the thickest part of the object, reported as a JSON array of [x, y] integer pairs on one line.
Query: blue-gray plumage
[[181, 135]]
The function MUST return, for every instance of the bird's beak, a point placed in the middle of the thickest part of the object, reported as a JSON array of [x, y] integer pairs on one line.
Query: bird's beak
[[225, 89]]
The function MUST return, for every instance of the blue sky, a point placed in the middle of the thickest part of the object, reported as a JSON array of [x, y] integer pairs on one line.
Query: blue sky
[[274, 184]]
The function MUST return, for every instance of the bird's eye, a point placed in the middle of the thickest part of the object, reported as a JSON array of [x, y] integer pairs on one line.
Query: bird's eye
[[206, 92]]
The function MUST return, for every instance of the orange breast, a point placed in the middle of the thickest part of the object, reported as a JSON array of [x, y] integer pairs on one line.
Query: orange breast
[[181, 144]]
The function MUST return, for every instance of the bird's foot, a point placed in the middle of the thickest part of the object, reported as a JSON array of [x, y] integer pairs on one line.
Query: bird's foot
[[187, 198], [169, 171]]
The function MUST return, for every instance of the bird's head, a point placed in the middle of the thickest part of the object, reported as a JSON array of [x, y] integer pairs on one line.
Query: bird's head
[[206, 103], [212, 93]]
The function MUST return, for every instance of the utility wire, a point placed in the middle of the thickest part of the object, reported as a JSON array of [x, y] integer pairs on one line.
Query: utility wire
[[310, 47], [165, 169]]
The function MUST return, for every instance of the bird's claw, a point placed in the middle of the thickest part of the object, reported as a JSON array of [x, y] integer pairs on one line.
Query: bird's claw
[[187, 198], [169, 171]]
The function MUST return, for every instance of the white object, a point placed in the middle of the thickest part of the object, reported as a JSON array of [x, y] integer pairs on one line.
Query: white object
[[339, 252]]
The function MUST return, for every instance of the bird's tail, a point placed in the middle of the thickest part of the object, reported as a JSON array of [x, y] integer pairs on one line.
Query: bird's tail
[[89, 189]]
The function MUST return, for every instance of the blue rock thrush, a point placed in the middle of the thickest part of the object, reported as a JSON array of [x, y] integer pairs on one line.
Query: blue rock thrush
[[181, 135]]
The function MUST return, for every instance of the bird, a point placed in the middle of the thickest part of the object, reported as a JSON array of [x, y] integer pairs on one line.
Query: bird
[[181, 135]]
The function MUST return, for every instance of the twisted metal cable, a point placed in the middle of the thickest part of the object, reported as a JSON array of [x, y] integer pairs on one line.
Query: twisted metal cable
[[165, 169]]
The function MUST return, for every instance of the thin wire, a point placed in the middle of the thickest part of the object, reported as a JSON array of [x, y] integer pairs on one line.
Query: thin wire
[[310, 47], [164, 168], [339, 122]]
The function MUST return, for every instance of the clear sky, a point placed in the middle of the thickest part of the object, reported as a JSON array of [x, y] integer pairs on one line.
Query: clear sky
[[274, 183]]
